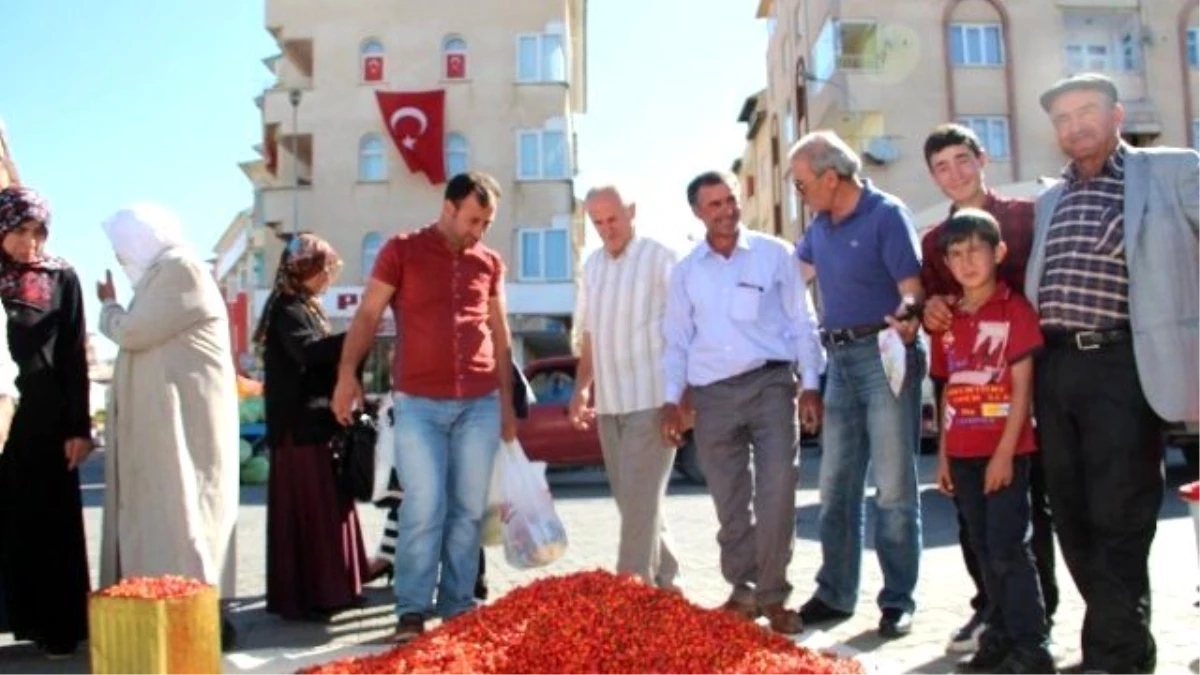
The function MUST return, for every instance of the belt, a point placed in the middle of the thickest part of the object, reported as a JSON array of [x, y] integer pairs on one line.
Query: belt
[[844, 336], [1087, 340], [769, 365]]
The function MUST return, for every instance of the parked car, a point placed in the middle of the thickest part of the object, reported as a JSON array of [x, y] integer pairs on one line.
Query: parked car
[[1186, 437], [547, 434]]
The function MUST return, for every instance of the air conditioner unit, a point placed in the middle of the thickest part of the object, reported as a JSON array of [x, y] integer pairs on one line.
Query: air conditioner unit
[[880, 150]]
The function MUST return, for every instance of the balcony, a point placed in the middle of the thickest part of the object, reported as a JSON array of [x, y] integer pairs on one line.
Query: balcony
[[277, 109], [281, 204], [540, 298]]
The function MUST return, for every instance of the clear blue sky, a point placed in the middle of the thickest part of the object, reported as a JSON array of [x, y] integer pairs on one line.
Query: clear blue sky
[[112, 102]]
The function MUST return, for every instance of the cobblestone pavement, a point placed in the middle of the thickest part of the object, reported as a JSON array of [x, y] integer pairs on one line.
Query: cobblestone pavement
[[584, 503]]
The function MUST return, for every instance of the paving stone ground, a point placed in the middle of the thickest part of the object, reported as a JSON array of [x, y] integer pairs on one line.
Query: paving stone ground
[[267, 644]]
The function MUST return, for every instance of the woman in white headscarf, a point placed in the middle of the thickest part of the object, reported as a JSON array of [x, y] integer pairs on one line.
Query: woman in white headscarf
[[171, 462]]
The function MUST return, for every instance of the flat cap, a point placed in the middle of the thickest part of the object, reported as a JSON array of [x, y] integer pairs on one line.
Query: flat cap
[[1088, 81]]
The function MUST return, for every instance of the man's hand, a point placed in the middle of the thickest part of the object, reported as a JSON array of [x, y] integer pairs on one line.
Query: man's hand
[[907, 328], [999, 473], [670, 424], [944, 482], [580, 413], [76, 450], [347, 395], [508, 423], [811, 411], [938, 313], [105, 290]]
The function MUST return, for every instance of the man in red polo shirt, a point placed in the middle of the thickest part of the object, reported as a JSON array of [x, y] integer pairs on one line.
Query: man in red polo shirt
[[453, 404], [956, 161]]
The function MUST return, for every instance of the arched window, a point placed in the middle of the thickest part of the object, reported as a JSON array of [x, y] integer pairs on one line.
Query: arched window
[[456, 154], [371, 61], [454, 57], [370, 251], [372, 164]]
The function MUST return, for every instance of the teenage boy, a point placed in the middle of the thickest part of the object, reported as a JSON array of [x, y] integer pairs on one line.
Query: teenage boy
[[987, 442], [957, 162]]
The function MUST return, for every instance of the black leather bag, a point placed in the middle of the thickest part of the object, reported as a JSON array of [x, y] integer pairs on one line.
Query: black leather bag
[[354, 458]]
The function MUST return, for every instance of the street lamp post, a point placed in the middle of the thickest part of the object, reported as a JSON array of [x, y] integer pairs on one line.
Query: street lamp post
[[294, 99]]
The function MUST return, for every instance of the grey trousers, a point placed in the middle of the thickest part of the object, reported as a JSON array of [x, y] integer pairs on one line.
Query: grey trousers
[[639, 467], [747, 438]]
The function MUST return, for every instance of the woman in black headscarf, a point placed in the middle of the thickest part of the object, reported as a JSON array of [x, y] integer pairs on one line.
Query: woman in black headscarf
[[43, 553], [315, 555]]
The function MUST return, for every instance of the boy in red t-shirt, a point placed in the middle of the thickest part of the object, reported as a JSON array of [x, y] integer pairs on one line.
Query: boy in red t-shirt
[[987, 441]]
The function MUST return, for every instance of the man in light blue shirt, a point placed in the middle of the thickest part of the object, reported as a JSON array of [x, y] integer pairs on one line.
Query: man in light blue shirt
[[739, 324]]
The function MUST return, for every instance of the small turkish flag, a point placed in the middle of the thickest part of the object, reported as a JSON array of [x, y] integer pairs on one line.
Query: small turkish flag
[[373, 68], [456, 67], [414, 121]]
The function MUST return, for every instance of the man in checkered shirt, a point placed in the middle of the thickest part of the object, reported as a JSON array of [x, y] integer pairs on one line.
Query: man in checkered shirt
[[1113, 274]]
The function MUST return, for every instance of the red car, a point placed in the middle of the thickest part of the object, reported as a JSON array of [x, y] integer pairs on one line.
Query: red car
[[547, 434]]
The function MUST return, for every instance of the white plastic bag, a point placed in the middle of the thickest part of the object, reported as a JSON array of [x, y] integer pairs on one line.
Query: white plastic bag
[[521, 511], [385, 450]]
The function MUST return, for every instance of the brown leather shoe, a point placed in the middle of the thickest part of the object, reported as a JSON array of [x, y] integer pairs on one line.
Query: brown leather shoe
[[408, 628], [783, 620], [746, 611]]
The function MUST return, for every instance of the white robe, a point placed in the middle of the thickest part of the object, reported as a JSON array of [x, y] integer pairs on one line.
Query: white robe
[[171, 446]]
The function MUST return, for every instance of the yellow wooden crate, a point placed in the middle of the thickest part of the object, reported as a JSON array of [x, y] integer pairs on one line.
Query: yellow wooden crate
[[173, 635]]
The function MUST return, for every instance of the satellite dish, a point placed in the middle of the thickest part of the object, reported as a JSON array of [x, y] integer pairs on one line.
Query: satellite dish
[[880, 150], [899, 52]]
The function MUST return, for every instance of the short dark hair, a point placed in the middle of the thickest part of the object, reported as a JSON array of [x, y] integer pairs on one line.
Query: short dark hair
[[947, 135], [709, 178], [968, 224], [483, 186], [1077, 82]]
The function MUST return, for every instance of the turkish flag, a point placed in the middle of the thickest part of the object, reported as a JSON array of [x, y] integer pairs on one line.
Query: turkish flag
[[373, 68], [414, 121]]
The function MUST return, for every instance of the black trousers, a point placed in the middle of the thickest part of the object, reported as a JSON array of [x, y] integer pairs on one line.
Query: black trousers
[[1000, 536], [1042, 543], [1102, 452]]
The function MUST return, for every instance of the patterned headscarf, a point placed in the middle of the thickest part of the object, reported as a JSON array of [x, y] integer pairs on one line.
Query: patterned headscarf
[[304, 257], [30, 282]]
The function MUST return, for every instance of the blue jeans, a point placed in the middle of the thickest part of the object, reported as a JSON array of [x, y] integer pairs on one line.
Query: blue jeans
[[866, 423], [444, 454]]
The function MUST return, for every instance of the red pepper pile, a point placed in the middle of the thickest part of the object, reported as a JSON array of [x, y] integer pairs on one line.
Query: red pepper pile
[[595, 622], [153, 588]]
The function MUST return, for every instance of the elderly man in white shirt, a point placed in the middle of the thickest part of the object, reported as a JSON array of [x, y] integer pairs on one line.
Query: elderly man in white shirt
[[621, 306], [739, 326]]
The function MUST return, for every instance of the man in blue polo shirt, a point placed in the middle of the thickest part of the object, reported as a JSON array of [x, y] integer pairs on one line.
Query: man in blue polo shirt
[[863, 251]]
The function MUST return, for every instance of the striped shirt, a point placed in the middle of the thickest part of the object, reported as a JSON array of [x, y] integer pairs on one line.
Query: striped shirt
[[1085, 284], [621, 307]]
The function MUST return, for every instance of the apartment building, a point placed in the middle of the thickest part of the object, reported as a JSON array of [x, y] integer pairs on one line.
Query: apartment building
[[375, 103], [757, 169], [882, 74]]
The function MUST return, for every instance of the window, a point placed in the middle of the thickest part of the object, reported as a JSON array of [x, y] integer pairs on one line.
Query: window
[[454, 56], [824, 56], [372, 165], [992, 130], [542, 154], [1193, 47], [371, 61], [858, 45], [370, 251], [541, 57], [456, 154], [1130, 52], [545, 254], [552, 387], [1085, 57], [260, 269], [976, 44]]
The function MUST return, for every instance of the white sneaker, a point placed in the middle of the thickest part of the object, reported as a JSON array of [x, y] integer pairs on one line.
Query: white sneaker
[[965, 640]]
